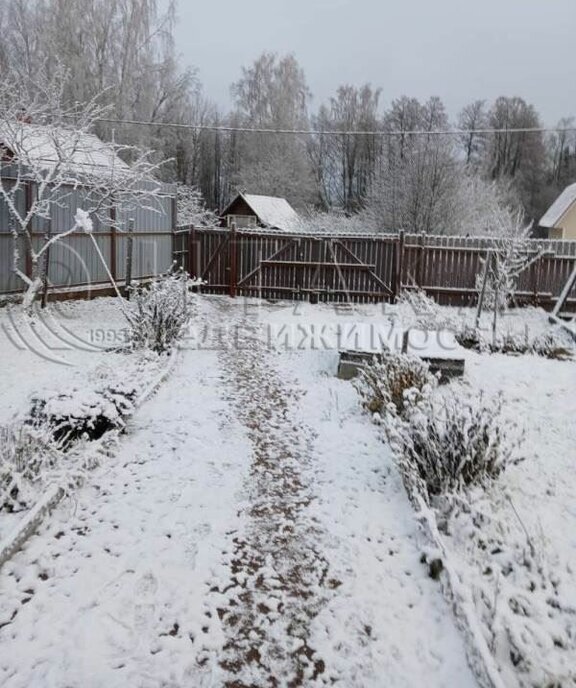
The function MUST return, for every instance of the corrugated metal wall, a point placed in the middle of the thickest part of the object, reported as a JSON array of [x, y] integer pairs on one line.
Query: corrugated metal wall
[[74, 260]]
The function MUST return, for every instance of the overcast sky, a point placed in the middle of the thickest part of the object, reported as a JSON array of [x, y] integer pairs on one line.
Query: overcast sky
[[456, 49]]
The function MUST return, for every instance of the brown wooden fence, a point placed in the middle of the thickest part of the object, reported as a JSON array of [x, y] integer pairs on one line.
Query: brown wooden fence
[[359, 268]]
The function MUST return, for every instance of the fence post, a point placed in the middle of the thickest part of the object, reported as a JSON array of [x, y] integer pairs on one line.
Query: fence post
[[129, 250], [535, 278], [420, 271], [45, 285], [487, 267], [233, 262], [398, 266], [113, 242], [191, 252]]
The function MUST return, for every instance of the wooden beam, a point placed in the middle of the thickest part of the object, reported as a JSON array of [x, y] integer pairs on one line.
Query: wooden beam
[[564, 294], [312, 263], [371, 268], [280, 251]]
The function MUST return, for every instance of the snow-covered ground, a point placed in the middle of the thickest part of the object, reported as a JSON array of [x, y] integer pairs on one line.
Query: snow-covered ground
[[68, 355], [61, 347], [252, 528]]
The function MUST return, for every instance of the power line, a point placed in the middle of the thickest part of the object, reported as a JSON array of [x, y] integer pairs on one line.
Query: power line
[[333, 132]]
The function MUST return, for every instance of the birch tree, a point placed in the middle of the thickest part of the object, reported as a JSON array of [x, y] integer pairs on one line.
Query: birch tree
[[474, 117], [273, 93], [345, 165]]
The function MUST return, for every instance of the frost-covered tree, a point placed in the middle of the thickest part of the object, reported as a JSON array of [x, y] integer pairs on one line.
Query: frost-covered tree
[[119, 50], [50, 158], [192, 208], [473, 118], [272, 93], [562, 152], [344, 165], [417, 174], [520, 156]]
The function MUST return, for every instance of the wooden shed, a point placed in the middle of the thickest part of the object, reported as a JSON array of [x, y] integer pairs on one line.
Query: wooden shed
[[73, 261], [251, 210]]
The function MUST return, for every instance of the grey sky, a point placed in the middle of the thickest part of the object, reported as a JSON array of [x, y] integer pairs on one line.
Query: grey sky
[[456, 49]]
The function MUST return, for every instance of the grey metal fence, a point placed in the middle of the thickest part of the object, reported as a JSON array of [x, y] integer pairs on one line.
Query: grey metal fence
[[74, 262]]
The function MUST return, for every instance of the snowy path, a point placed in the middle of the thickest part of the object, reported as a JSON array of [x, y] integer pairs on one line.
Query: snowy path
[[251, 532], [111, 593]]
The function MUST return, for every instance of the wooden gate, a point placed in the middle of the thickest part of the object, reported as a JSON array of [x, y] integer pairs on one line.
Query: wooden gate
[[363, 268], [277, 265]]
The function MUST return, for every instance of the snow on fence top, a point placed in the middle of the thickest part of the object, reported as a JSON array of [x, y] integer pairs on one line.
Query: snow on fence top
[[559, 207], [44, 146]]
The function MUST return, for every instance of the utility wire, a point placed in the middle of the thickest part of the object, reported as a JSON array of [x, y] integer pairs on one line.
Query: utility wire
[[329, 132]]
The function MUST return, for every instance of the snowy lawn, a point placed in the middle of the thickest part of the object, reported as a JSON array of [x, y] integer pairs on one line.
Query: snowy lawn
[[62, 347], [252, 528], [65, 355], [515, 549]]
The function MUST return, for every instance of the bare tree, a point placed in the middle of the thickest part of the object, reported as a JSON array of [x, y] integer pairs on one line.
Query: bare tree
[[345, 165], [121, 50], [49, 158], [417, 174], [520, 156], [474, 117], [562, 152], [272, 93]]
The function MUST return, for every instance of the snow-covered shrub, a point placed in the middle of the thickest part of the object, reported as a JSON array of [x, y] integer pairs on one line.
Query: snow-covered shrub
[[159, 312], [82, 414], [192, 208], [393, 382], [418, 310], [452, 445], [512, 343], [522, 589], [553, 344], [470, 338], [25, 451]]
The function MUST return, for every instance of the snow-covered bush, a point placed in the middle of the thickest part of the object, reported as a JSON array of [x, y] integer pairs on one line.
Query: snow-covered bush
[[553, 344], [49, 443], [25, 451], [158, 312], [470, 338], [82, 414], [418, 310], [391, 383], [450, 446], [522, 589], [192, 209]]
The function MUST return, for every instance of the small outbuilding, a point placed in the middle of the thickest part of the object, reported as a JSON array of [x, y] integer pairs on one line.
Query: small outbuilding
[[251, 210], [559, 221], [83, 162]]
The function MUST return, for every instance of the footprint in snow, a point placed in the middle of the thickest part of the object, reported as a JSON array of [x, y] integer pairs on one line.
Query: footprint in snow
[[145, 604]]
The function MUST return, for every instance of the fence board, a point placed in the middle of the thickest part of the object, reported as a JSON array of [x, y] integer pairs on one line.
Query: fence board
[[274, 264]]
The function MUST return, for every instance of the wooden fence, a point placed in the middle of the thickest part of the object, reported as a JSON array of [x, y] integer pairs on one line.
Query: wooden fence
[[360, 268]]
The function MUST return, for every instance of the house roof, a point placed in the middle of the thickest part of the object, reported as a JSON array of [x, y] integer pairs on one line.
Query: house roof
[[44, 146], [557, 210], [272, 211]]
